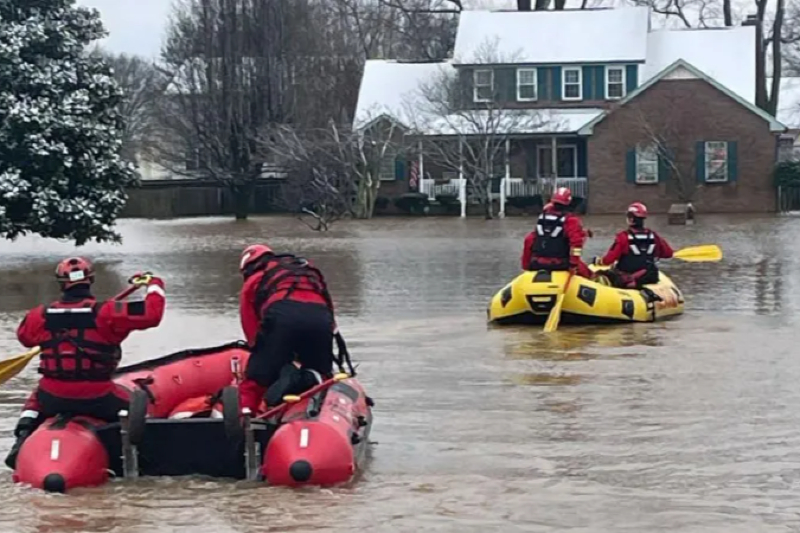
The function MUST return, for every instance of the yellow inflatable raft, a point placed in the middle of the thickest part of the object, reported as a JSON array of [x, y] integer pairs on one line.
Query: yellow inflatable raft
[[529, 298]]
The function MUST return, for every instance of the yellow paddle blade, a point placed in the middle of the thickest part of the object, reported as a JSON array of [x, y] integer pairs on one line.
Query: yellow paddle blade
[[709, 253], [13, 366], [555, 315]]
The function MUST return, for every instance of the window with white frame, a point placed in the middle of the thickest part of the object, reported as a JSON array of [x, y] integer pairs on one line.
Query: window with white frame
[[716, 168], [483, 85], [526, 84], [647, 164], [615, 83], [571, 86], [387, 168]]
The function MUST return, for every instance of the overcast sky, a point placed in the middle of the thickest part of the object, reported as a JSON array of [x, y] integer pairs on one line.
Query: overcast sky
[[134, 26], [137, 26]]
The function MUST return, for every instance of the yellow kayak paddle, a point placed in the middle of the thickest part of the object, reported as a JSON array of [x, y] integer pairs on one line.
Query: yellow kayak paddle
[[555, 313], [13, 366], [706, 253]]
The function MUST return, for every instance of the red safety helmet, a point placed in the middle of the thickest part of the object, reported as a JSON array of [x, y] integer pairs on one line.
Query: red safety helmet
[[251, 254], [562, 196], [74, 271], [637, 210]]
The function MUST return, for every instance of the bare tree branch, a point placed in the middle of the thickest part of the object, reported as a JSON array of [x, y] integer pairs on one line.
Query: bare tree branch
[[468, 137], [333, 172]]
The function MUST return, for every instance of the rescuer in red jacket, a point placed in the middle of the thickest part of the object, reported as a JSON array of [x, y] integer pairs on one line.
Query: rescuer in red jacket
[[635, 251], [80, 340], [557, 241], [286, 312]]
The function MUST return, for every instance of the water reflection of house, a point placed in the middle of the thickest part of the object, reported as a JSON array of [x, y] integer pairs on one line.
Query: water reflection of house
[[601, 78]]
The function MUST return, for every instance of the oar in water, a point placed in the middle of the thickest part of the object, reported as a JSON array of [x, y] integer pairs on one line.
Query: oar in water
[[555, 313], [706, 253], [14, 365]]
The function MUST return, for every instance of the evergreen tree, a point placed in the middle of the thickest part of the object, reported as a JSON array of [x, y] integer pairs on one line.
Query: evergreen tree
[[61, 174]]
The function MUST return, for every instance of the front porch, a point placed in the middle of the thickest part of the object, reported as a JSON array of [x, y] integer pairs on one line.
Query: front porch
[[528, 170]]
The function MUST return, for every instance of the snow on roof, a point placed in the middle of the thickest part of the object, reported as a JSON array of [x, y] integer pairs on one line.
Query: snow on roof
[[727, 54], [579, 36], [390, 88], [508, 122], [789, 102]]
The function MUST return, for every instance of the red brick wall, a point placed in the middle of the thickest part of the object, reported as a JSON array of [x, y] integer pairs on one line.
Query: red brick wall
[[689, 110]]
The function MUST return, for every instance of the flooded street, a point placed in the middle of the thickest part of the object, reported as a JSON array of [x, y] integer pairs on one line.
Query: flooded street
[[691, 425]]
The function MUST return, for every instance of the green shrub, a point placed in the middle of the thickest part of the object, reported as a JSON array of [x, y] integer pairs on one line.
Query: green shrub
[[787, 174], [412, 202]]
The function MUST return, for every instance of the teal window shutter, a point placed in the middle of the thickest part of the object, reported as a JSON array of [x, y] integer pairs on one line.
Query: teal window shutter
[[630, 166], [400, 168], [556, 83], [541, 80], [733, 161], [700, 161], [599, 82], [586, 77], [631, 78], [664, 164]]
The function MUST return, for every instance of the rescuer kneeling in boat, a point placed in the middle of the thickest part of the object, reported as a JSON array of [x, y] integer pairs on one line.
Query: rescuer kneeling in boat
[[80, 340], [287, 314], [557, 241], [635, 251]]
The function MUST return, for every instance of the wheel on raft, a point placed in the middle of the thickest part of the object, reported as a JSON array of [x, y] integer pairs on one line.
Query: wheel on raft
[[137, 416], [230, 414]]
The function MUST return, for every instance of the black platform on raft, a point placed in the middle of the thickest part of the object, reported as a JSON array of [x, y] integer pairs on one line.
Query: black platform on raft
[[180, 356], [191, 446]]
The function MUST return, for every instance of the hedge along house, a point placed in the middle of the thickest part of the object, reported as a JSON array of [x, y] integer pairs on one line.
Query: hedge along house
[[607, 97]]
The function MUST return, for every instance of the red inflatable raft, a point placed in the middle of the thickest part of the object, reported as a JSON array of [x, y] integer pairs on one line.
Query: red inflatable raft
[[318, 437], [65, 453]]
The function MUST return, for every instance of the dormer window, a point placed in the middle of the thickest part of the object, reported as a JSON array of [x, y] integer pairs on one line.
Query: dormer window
[[483, 85], [526, 84], [572, 86], [615, 83]]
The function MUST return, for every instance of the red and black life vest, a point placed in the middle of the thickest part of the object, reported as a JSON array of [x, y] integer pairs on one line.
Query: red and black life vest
[[74, 350], [286, 272], [641, 252], [551, 239]]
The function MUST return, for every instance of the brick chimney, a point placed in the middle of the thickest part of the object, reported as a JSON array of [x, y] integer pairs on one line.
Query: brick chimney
[[751, 20], [523, 5], [761, 70]]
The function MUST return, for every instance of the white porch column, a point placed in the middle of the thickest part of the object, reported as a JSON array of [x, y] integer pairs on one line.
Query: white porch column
[[504, 182], [462, 183], [421, 169], [554, 159]]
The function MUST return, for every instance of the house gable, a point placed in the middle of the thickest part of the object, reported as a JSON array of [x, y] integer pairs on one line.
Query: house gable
[[678, 70]]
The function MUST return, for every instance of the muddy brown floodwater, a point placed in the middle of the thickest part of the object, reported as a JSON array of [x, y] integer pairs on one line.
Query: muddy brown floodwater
[[691, 425]]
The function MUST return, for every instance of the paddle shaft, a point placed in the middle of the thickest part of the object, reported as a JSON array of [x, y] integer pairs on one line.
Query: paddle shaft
[[307, 394]]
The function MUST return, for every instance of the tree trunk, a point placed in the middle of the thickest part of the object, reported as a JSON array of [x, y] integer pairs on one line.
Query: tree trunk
[[777, 32], [242, 195], [366, 195]]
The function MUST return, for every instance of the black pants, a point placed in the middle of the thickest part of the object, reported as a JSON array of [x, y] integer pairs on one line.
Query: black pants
[[105, 408], [292, 330], [547, 265]]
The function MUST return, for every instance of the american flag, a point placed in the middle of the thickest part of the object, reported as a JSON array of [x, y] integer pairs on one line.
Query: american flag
[[414, 176]]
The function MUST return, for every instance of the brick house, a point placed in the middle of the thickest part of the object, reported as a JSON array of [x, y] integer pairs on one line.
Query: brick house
[[624, 112]]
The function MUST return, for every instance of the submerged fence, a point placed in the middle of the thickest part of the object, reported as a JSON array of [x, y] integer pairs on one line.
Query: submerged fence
[[186, 198]]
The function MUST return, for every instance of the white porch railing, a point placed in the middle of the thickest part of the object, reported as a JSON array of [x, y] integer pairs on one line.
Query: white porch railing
[[509, 188], [518, 188]]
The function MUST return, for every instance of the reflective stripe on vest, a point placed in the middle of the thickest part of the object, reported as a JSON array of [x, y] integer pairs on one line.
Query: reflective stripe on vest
[[551, 225], [637, 241]]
